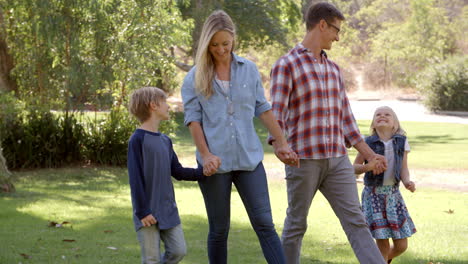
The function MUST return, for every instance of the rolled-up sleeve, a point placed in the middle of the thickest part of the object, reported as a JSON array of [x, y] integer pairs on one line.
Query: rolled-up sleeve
[[192, 107], [351, 132], [261, 103]]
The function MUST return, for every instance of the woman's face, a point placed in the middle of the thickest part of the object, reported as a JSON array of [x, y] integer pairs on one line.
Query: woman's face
[[220, 46]]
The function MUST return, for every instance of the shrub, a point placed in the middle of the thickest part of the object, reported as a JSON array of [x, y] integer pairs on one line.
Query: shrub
[[445, 85], [38, 138], [107, 139]]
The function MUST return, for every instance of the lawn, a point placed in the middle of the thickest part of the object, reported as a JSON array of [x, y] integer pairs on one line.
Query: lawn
[[96, 203], [433, 145]]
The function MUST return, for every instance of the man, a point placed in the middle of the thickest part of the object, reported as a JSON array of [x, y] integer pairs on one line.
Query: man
[[310, 103]]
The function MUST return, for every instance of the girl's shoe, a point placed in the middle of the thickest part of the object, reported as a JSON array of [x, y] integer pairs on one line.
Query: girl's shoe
[[389, 261]]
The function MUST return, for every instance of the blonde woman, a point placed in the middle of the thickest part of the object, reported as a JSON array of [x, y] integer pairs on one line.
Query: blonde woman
[[222, 94]]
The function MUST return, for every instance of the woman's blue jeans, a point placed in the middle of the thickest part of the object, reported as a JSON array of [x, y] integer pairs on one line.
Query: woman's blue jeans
[[253, 190]]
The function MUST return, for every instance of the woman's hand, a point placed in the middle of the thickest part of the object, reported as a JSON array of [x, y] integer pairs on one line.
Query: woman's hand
[[211, 164], [284, 153]]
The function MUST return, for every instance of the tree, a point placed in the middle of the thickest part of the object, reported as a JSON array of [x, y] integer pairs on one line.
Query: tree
[[69, 53], [6, 60], [5, 176], [258, 23]]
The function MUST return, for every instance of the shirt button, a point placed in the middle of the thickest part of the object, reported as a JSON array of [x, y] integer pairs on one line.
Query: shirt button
[[231, 124], [232, 136]]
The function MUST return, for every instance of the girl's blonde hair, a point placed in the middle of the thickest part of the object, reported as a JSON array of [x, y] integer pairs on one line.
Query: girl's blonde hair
[[140, 100], [397, 129], [205, 72]]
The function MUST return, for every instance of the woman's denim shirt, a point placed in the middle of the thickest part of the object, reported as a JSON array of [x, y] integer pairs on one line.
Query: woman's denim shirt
[[227, 118], [378, 147]]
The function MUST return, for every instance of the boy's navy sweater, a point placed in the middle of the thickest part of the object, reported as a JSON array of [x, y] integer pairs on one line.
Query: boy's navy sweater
[[151, 162]]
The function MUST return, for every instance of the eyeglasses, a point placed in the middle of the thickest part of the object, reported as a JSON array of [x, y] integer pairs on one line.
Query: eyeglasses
[[335, 27]]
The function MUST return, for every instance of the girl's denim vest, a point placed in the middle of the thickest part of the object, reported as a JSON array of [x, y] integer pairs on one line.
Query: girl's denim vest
[[378, 147]]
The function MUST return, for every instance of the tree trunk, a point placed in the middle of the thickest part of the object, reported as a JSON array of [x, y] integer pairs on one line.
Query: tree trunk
[[6, 61], [5, 176]]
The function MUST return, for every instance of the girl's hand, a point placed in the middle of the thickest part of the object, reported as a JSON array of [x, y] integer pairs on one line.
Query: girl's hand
[[148, 220], [411, 186]]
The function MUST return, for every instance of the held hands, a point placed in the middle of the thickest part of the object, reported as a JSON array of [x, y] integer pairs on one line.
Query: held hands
[[284, 153], [410, 186], [379, 164], [148, 220], [211, 164]]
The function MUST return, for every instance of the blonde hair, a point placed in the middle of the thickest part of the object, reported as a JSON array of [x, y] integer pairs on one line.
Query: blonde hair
[[397, 129], [205, 72], [140, 100]]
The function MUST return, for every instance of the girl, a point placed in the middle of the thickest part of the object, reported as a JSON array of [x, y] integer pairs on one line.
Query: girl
[[385, 211]]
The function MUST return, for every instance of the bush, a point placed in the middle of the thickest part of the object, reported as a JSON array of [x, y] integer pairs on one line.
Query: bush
[[38, 138], [445, 85]]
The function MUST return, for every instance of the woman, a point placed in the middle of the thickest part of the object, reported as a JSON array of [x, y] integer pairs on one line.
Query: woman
[[221, 96]]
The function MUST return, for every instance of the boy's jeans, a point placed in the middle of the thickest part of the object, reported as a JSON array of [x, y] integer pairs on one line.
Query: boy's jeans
[[174, 245], [253, 189]]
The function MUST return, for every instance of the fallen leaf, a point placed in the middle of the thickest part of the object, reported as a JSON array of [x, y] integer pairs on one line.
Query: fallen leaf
[[68, 240], [113, 248], [108, 231], [26, 256], [450, 211], [52, 224]]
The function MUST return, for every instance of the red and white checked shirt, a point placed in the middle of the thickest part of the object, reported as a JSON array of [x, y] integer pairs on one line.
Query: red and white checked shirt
[[310, 102]]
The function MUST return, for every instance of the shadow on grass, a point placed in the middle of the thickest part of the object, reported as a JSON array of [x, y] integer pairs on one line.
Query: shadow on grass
[[107, 236], [439, 139]]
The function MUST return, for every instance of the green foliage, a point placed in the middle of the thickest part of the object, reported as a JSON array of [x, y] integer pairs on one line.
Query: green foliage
[[405, 46], [69, 53], [37, 138], [108, 138], [258, 23], [445, 85], [40, 139]]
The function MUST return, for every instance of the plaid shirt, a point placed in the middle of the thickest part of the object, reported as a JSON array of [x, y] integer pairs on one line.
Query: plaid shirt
[[310, 102]]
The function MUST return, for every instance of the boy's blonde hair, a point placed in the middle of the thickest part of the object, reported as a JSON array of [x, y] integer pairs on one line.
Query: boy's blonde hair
[[140, 101], [205, 73], [397, 129]]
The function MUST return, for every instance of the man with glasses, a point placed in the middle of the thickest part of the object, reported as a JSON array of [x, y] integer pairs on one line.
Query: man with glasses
[[309, 100]]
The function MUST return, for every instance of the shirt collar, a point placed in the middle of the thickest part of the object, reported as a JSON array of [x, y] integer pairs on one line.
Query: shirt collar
[[301, 49], [237, 59]]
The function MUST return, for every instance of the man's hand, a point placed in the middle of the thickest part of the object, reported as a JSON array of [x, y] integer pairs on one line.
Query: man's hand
[[286, 155], [148, 220], [211, 164], [380, 163]]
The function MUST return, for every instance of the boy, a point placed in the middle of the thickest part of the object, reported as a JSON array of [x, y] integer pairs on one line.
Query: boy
[[151, 162]]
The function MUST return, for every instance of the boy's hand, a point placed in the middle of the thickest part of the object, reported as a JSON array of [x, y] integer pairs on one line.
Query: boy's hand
[[211, 164], [148, 220], [411, 186]]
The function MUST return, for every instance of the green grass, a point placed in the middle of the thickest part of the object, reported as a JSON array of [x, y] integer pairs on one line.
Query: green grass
[[96, 202], [433, 145]]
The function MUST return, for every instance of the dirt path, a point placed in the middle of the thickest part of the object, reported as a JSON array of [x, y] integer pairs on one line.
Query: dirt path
[[455, 180]]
